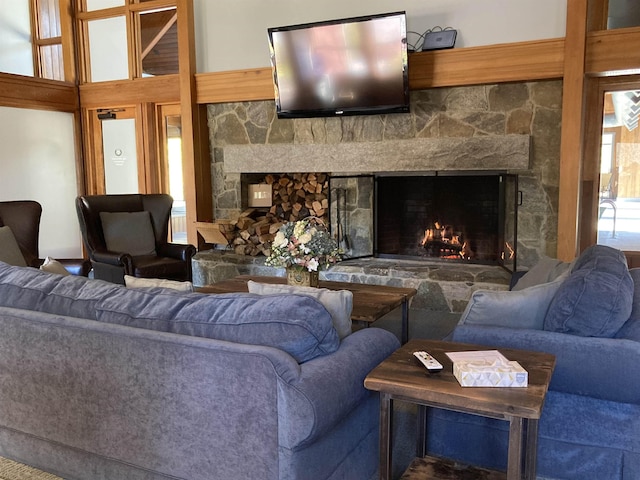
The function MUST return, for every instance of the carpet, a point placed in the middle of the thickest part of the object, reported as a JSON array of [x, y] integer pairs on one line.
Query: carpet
[[10, 470]]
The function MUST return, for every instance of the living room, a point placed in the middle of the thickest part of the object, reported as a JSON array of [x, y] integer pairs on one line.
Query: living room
[[516, 69]]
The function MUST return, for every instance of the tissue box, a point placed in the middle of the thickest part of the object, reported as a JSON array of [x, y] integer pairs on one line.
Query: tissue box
[[495, 374]]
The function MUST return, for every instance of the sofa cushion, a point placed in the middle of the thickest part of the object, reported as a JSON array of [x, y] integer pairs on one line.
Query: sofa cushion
[[339, 303], [546, 270], [297, 324], [596, 299], [631, 328], [33, 289], [128, 232], [525, 308], [9, 250]]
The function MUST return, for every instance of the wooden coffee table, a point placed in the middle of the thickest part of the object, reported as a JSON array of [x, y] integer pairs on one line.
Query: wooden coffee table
[[370, 302], [401, 377]]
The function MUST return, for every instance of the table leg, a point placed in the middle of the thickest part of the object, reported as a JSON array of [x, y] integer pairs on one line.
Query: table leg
[[386, 428], [405, 321], [421, 434], [514, 458], [531, 449]]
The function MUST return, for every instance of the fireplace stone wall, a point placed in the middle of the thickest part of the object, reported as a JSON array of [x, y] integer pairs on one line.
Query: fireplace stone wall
[[514, 127]]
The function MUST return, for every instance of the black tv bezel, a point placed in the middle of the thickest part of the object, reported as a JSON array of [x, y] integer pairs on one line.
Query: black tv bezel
[[331, 112]]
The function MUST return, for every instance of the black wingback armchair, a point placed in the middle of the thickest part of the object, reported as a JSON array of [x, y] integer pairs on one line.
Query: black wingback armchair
[[23, 218], [107, 242]]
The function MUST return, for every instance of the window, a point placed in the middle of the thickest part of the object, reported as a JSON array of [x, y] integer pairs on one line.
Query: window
[[47, 39], [128, 40]]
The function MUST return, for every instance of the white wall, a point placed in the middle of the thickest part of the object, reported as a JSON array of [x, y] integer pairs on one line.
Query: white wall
[[234, 37], [37, 162], [15, 38]]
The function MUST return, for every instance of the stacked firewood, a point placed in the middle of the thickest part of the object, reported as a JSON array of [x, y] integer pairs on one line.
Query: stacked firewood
[[294, 197]]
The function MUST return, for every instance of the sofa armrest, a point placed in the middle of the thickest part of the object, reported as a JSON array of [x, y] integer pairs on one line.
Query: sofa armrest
[[330, 386], [603, 368]]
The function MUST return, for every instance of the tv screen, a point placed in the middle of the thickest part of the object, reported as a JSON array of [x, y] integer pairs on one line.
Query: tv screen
[[349, 66]]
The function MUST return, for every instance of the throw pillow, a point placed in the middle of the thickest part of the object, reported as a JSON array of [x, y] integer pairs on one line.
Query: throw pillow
[[631, 328], [339, 303], [9, 250], [596, 299], [546, 270], [129, 232], [525, 308], [53, 266], [135, 282]]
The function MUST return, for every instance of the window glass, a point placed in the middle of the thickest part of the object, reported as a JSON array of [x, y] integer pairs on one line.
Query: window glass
[[51, 65], [623, 13], [619, 202], [159, 42], [100, 4], [108, 49], [16, 55]]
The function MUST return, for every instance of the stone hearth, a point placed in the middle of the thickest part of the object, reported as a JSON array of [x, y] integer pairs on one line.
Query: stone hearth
[[442, 287]]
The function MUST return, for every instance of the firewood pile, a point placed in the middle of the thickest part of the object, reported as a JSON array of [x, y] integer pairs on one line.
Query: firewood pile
[[294, 197]]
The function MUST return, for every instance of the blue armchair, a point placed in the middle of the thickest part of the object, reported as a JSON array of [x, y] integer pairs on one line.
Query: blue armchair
[[589, 318]]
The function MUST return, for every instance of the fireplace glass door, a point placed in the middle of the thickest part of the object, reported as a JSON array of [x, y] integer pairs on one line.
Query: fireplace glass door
[[462, 218]]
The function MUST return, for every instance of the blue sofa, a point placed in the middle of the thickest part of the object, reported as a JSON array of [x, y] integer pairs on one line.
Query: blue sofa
[[104, 382], [589, 318]]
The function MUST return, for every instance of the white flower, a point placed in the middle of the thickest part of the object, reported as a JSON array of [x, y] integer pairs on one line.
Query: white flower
[[304, 238], [280, 241], [312, 266]]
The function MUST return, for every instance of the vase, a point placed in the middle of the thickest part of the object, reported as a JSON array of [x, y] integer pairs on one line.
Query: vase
[[301, 277]]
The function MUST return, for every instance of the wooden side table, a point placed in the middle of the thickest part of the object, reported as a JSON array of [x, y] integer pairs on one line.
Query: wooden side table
[[400, 377]]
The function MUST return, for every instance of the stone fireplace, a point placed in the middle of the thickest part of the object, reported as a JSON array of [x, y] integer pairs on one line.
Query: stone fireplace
[[497, 129]]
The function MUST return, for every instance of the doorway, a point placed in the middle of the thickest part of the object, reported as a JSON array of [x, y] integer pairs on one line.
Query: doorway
[[610, 212]]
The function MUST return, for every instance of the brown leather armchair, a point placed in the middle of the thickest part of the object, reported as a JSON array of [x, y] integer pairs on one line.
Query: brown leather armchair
[[170, 261], [23, 218]]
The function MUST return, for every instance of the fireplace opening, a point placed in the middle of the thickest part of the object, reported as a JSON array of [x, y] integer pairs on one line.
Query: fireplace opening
[[462, 218]]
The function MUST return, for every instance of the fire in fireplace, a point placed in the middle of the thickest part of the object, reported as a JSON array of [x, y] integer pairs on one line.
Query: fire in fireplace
[[461, 217]]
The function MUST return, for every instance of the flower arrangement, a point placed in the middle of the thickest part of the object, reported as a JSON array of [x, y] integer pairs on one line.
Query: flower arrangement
[[306, 244]]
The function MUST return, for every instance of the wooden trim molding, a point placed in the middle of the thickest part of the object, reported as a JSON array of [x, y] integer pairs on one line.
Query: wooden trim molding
[[522, 61], [613, 52], [509, 62], [160, 89], [37, 93]]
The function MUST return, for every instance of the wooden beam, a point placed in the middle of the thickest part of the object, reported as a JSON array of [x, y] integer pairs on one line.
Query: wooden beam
[[512, 62], [235, 86], [37, 93], [523, 61], [572, 132], [613, 52], [196, 163], [160, 89]]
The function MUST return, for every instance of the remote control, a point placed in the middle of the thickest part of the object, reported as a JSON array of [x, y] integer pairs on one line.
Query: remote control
[[430, 363]]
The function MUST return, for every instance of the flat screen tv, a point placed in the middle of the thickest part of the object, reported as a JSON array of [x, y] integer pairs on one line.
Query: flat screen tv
[[350, 66]]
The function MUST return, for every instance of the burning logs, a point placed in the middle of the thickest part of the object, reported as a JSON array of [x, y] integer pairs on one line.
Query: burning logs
[[294, 197]]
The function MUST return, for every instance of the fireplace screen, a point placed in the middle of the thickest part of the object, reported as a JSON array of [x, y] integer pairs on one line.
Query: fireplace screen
[[456, 217]]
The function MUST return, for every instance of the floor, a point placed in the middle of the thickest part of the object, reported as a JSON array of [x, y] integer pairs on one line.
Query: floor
[[619, 227]]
